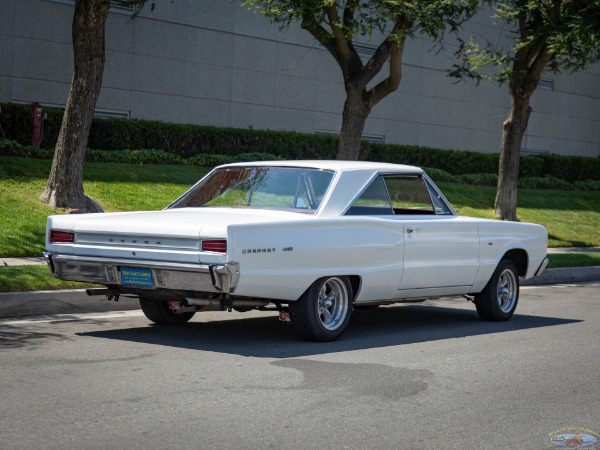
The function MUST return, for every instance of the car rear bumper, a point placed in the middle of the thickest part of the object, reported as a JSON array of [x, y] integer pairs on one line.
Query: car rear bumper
[[221, 278]]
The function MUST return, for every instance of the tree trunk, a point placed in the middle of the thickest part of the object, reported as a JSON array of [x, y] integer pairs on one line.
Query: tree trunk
[[65, 183], [505, 206], [356, 111]]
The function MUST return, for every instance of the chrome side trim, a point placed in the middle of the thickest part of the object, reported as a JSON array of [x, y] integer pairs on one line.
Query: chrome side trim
[[542, 267]]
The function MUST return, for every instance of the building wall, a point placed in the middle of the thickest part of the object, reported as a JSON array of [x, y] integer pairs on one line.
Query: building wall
[[214, 63]]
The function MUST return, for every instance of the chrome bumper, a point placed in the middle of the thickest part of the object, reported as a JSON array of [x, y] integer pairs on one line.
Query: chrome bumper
[[542, 267], [196, 277]]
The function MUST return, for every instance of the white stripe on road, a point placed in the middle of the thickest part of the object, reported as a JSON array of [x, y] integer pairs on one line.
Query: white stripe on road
[[72, 317], [562, 286]]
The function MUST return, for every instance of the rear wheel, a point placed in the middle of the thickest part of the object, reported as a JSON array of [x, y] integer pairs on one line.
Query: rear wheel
[[498, 300], [158, 311], [323, 312]]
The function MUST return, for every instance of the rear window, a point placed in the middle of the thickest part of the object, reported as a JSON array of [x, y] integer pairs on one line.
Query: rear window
[[287, 188]]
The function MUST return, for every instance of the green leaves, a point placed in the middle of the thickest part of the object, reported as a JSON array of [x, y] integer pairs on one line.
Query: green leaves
[[565, 33], [356, 17]]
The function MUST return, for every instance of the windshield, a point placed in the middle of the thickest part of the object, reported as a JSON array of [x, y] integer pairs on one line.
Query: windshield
[[290, 188]]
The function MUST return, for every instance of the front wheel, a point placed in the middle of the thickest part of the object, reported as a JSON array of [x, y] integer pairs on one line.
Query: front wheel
[[158, 311], [323, 312], [498, 300]]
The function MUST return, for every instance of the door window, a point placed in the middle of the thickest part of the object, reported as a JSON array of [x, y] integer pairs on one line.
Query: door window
[[395, 195]]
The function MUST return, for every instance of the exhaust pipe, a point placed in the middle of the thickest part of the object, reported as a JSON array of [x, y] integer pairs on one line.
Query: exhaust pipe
[[219, 304], [99, 291]]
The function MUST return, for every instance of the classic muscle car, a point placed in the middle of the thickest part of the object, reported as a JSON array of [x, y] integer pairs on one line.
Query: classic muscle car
[[313, 239]]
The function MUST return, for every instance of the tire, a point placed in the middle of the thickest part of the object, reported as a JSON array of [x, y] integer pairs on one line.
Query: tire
[[498, 300], [158, 311], [323, 312]]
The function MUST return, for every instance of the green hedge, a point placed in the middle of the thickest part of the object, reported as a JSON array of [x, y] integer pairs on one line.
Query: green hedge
[[201, 144], [143, 156]]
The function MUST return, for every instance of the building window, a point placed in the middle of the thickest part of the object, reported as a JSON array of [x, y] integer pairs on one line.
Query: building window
[[374, 138], [547, 84], [107, 114]]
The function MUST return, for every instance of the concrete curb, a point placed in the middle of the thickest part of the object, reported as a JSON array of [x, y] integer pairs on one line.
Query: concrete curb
[[565, 275], [15, 304]]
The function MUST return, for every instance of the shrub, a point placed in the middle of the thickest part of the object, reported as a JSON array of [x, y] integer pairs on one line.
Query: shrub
[[201, 145], [480, 179]]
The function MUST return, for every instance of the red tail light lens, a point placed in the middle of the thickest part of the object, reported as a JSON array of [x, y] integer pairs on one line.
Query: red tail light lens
[[61, 237], [215, 245]]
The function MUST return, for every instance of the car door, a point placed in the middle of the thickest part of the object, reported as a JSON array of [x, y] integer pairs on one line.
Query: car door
[[440, 249], [439, 252]]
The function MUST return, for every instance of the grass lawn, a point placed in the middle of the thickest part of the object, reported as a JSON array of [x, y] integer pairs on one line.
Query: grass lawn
[[34, 278], [574, 259], [571, 217], [118, 187]]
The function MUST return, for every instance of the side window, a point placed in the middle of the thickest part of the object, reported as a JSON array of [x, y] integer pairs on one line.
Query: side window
[[374, 201], [409, 195], [438, 203], [398, 195]]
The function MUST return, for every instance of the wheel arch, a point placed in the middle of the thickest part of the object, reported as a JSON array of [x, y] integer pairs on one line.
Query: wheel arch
[[355, 283], [520, 259]]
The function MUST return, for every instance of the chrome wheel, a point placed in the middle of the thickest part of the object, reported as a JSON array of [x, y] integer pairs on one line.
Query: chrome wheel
[[507, 290], [323, 312], [498, 300], [332, 303]]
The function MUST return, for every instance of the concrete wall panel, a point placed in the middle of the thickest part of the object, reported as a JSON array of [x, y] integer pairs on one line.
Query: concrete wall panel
[[153, 106], [42, 91], [44, 20], [208, 112], [215, 63], [158, 75], [208, 81], [244, 115], [210, 47], [253, 87]]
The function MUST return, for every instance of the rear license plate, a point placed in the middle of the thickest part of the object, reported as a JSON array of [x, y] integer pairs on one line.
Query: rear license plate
[[136, 277]]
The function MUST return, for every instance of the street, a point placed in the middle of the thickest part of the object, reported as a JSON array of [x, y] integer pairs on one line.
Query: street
[[428, 375]]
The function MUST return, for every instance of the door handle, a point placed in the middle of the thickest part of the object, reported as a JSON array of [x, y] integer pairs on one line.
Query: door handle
[[411, 230]]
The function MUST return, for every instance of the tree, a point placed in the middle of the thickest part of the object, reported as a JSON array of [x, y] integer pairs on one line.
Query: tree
[[335, 24], [550, 35], [65, 183]]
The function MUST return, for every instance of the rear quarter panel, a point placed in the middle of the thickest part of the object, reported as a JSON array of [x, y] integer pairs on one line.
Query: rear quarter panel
[[497, 238], [281, 260]]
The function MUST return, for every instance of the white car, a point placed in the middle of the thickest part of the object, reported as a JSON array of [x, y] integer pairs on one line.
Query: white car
[[311, 238]]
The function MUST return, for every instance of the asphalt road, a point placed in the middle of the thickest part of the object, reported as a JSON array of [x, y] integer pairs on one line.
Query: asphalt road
[[430, 375]]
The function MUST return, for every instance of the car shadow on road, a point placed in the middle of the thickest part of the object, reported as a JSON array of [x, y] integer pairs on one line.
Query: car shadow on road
[[266, 337]]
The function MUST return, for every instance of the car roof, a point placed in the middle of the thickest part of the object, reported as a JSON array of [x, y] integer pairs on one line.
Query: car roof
[[332, 165]]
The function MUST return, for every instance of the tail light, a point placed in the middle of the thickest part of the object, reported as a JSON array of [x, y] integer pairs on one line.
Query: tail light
[[61, 237], [215, 245]]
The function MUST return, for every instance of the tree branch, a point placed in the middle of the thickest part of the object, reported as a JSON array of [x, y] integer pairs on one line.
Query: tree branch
[[349, 11], [374, 65], [338, 33], [535, 70], [310, 24], [390, 84]]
